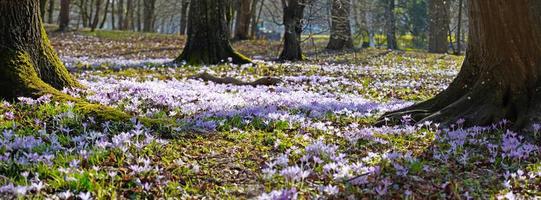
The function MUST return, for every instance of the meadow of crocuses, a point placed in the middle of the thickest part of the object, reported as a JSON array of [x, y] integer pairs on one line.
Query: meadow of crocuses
[[310, 137]]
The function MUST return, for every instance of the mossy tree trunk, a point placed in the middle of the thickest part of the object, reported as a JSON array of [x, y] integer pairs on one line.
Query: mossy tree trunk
[[29, 65], [438, 26], [501, 75], [340, 26], [293, 15], [208, 35]]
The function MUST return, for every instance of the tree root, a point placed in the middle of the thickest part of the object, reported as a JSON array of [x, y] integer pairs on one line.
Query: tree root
[[266, 81], [481, 106]]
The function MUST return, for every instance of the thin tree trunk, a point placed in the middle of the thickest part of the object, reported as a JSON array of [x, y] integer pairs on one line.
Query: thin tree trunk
[[501, 74], [255, 22], [242, 25], [30, 67], [139, 13], [438, 25], [253, 18], [148, 18], [96, 18], [87, 22], [113, 13], [51, 12], [293, 14], [107, 2], [64, 15], [459, 29], [184, 16], [390, 24], [208, 41], [340, 26], [128, 19], [120, 11]]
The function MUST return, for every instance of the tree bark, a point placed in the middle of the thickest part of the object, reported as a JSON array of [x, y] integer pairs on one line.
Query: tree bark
[[501, 75], [184, 16], [51, 12], [438, 26], [30, 66], [340, 26], [390, 24], [244, 16], [148, 18], [64, 15], [293, 15], [208, 35]]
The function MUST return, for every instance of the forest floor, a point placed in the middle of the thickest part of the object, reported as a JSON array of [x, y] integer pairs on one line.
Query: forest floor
[[310, 137]]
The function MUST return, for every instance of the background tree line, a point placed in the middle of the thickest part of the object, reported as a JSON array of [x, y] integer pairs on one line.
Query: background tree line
[[436, 25]]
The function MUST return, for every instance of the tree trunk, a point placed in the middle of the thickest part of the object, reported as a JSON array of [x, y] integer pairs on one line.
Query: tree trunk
[[184, 16], [256, 16], [230, 6], [96, 18], [148, 18], [340, 26], [113, 13], [501, 75], [208, 36], [139, 13], [293, 14], [64, 15], [244, 15], [120, 12], [102, 24], [83, 12], [51, 12], [42, 8], [438, 25], [459, 29], [128, 19], [30, 67], [390, 24]]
